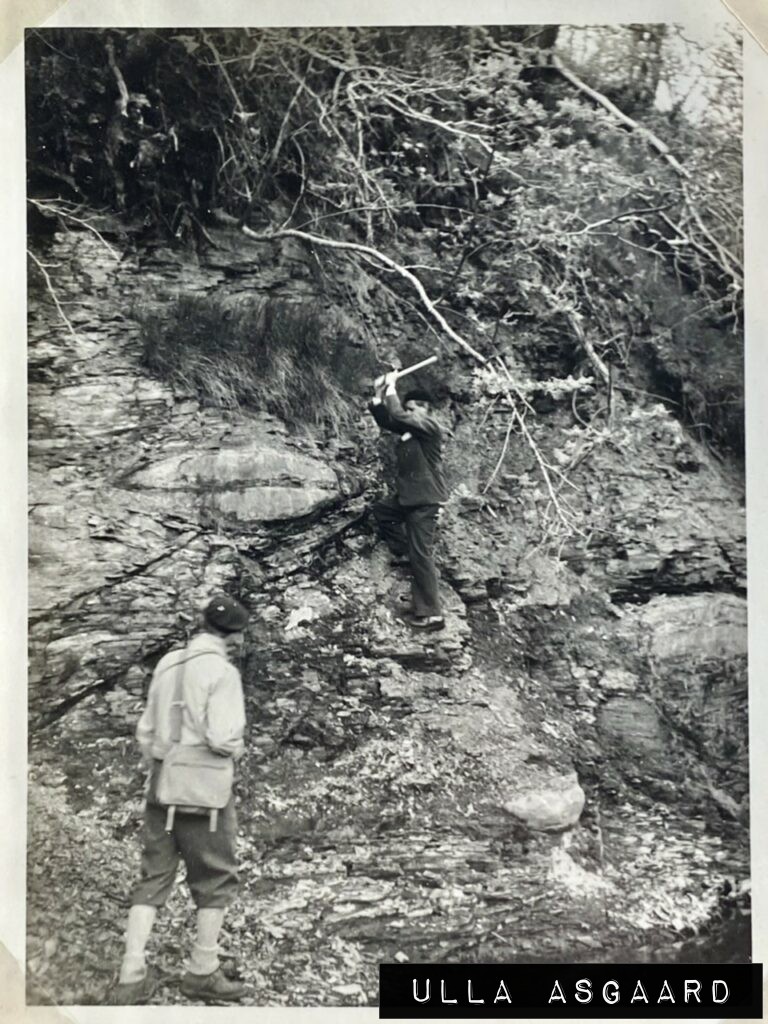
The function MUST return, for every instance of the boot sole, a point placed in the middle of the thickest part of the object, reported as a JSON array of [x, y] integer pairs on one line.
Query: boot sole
[[113, 998], [210, 997]]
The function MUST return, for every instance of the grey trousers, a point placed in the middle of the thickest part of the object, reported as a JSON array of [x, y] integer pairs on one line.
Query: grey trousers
[[410, 530]]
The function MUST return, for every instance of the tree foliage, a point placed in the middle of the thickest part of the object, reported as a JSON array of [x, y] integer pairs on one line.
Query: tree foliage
[[535, 218]]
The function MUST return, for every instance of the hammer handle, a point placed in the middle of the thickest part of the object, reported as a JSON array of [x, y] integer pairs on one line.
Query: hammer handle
[[409, 369]]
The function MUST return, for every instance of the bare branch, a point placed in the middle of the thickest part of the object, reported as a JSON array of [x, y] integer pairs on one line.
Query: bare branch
[[497, 467], [225, 74], [684, 237], [51, 292], [629, 215], [589, 348], [51, 206], [557, 503], [387, 261], [300, 196], [653, 140], [284, 124], [726, 256], [122, 87], [446, 126], [368, 180]]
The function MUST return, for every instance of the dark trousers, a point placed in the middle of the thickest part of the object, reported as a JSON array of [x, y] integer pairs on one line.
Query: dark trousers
[[209, 857], [410, 530]]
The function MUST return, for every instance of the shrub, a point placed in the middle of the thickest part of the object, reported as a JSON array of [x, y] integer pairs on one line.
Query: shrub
[[286, 358]]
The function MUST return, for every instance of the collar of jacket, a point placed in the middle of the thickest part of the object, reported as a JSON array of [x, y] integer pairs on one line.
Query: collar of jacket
[[207, 642]]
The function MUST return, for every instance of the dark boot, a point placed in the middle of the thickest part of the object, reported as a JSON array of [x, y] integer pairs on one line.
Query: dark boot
[[428, 623], [212, 988], [133, 993]]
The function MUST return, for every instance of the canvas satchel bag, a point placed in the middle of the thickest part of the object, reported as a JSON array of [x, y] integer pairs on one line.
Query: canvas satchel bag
[[192, 779]]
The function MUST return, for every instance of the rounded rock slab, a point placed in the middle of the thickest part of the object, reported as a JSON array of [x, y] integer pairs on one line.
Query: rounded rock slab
[[252, 483]]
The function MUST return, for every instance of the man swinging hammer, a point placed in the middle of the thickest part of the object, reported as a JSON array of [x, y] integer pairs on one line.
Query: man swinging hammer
[[407, 519]]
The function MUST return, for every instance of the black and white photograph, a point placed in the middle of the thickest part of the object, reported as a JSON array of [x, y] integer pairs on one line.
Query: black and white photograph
[[387, 538]]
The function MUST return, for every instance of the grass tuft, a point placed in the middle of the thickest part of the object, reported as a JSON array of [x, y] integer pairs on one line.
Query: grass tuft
[[263, 354]]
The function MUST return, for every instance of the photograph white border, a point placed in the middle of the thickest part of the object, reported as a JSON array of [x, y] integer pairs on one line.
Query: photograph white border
[[13, 585]]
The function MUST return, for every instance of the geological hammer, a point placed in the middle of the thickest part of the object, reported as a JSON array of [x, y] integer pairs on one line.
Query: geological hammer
[[409, 369]]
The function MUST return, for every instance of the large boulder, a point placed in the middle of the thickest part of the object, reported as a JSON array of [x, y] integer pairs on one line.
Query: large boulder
[[549, 804]]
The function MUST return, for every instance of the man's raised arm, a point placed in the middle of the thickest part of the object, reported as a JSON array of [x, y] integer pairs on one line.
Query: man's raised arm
[[403, 420], [380, 412]]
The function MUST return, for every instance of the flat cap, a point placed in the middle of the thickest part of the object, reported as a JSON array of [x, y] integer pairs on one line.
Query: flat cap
[[225, 614]]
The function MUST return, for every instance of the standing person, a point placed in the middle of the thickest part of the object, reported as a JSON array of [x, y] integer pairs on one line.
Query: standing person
[[212, 716], [407, 519]]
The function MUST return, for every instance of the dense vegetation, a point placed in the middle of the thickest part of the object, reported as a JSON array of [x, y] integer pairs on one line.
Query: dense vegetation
[[482, 180]]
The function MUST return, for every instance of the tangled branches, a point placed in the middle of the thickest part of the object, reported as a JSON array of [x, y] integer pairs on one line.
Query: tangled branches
[[495, 382], [490, 189]]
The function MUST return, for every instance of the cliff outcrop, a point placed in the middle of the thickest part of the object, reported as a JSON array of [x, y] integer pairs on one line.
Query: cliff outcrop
[[475, 792]]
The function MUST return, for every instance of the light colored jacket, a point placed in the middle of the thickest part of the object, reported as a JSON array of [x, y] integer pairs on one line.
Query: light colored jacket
[[214, 709]]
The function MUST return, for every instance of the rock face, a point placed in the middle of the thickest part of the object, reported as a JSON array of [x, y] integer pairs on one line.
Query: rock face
[[635, 722], [425, 777], [698, 627]]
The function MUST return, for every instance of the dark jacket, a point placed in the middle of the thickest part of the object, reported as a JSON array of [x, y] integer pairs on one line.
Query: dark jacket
[[419, 474]]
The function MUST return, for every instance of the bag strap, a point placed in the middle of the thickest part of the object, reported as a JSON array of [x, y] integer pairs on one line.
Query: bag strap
[[177, 712], [177, 704]]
